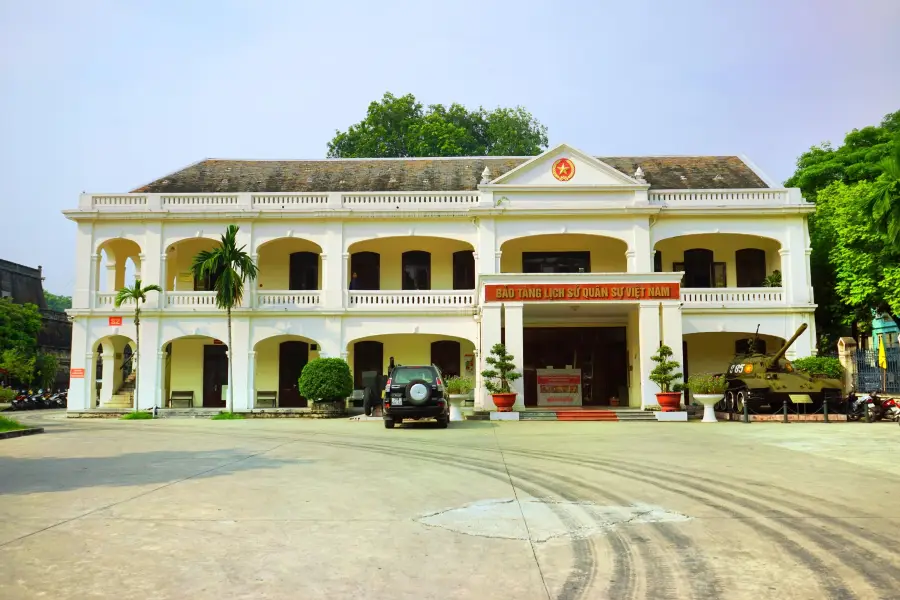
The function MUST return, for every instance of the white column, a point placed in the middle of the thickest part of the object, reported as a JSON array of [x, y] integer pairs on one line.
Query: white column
[[94, 283], [345, 279], [648, 333], [160, 396], [795, 262], [805, 345], [148, 363], [85, 272], [672, 335], [163, 276], [80, 358], [108, 376], [334, 267], [515, 345], [111, 273], [251, 380], [490, 335], [787, 282], [485, 258], [139, 267], [497, 264], [250, 287], [640, 253], [240, 337]]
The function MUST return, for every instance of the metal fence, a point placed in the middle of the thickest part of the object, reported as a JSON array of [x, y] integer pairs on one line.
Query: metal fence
[[870, 377]]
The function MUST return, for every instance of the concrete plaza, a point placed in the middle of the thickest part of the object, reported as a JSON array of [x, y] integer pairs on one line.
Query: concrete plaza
[[291, 508]]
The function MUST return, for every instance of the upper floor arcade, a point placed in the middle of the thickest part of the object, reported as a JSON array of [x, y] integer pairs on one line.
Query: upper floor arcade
[[357, 235]]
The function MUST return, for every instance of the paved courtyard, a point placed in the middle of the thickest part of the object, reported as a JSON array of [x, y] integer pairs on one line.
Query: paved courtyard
[[336, 509]]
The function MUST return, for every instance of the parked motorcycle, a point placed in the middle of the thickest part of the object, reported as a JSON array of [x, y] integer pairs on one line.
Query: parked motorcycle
[[857, 407], [890, 410]]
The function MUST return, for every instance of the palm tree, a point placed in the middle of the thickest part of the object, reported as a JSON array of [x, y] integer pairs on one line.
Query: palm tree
[[137, 294], [884, 203], [226, 266]]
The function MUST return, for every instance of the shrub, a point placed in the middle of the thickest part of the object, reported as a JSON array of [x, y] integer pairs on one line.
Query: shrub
[[773, 280], [227, 416], [707, 383], [10, 424], [326, 380], [820, 365], [502, 373], [665, 374], [460, 385], [136, 416], [7, 394]]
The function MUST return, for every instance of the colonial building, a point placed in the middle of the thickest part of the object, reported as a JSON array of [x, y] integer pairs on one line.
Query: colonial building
[[582, 265]]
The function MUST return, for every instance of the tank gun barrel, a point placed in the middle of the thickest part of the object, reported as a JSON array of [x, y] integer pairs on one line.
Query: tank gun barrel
[[780, 354]]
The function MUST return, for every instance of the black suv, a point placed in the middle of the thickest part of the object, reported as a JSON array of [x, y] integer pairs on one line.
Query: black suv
[[414, 392]]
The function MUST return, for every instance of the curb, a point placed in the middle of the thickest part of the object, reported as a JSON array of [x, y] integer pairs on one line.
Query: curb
[[20, 432]]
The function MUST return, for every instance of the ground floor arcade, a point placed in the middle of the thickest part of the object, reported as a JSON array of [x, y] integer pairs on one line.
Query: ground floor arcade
[[608, 344]]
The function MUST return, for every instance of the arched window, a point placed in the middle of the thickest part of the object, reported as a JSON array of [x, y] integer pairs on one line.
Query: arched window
[[751, 267], [416, 270], [463, 270], [367, 266], [304, 271]]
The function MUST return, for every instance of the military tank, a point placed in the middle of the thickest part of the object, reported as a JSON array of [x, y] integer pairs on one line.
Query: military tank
[[765, 382]]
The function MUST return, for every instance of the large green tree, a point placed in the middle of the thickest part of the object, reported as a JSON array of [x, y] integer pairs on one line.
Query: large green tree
[[400, 127], [859, 159], [227, 266], [19, 326]]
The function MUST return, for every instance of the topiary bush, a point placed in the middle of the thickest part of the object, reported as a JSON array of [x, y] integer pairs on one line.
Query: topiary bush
[[460, 385], [666, 374], [707, 383], [827, 366], [326, 380]]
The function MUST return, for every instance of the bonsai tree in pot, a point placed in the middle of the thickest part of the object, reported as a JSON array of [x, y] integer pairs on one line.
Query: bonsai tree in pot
[[707, 389], [326, 383], [499, 376], [665, 374]]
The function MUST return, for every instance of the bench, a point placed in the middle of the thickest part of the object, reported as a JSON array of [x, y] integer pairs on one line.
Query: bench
[[181, 400], [266, 399]]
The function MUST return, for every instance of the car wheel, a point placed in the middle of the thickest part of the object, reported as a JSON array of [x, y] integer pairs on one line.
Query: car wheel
[[388, 424], [442, 423]]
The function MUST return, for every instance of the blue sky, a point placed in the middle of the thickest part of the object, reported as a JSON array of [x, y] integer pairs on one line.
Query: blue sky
[[104, 96]]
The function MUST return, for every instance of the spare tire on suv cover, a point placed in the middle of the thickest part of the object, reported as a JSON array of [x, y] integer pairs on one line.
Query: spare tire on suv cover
[[418, 391]]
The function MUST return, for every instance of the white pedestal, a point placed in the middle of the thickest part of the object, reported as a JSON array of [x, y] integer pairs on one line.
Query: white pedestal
[[456, 402], [708, 401], [504, 416]]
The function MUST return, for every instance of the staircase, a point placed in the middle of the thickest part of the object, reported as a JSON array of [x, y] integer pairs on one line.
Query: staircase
[[124, 396], [581, 414]]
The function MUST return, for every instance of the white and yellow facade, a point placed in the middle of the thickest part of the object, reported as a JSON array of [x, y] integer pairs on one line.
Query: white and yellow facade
[[453, 231]]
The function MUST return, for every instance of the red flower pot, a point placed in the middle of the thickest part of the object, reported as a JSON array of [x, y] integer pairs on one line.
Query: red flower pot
[[669, 401], [504, 402]]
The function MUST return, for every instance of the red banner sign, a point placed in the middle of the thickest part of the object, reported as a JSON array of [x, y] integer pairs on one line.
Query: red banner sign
[[115, 321], [76, 373], [576, 292]]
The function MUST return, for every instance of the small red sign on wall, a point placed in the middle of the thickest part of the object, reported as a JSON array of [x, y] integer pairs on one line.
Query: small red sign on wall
[[76, 373], [218, 342], [115, 321]]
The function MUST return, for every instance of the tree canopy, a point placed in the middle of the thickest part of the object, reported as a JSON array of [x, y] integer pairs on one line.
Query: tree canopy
[[857, 159], [397, 127], [57, 303], [853, 265], [19, 326]]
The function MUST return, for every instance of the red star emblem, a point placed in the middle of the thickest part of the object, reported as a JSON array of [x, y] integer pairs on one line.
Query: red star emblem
[[563, 169]]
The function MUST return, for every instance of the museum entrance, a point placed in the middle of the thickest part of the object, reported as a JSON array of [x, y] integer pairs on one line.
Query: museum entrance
[[555, 354]]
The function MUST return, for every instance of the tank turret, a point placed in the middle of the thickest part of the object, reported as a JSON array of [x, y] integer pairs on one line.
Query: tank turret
[[773, 362]]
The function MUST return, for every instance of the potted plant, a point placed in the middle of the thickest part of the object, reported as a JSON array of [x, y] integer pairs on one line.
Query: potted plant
[[499, 376], [707, 389], [665, 375], [459, 389], [326, 383]]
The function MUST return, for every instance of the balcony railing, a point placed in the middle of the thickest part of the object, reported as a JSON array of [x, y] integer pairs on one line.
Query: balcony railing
[[289, 300], [413, 300], [438, 200], [732, 296], [188, 300], [107, 301], [753, 196]]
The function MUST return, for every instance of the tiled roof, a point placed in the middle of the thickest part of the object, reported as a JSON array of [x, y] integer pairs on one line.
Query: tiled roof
[[430, 174]]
